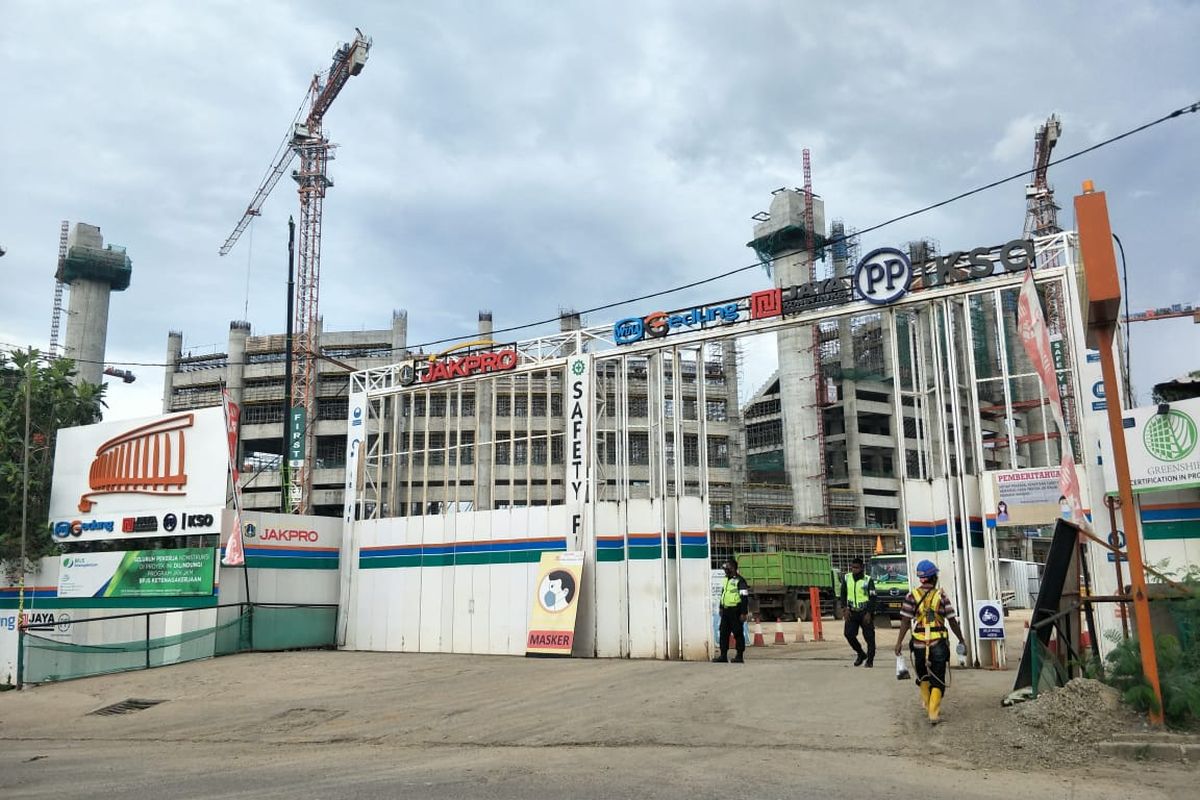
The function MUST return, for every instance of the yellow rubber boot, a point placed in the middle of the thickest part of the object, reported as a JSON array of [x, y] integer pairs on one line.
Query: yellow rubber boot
[[935, 705], [925, 688]]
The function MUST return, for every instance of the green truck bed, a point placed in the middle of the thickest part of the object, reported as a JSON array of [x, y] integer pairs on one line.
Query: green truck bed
[[786, 569], [780, 582]]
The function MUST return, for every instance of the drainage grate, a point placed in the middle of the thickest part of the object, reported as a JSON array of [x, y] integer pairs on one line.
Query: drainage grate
[[124, 707]]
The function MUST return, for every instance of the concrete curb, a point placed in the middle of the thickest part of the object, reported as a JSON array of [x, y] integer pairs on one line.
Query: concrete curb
[[1162, 747]]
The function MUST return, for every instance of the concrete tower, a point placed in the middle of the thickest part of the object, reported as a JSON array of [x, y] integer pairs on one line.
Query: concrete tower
[[781, 236], [93, 271]]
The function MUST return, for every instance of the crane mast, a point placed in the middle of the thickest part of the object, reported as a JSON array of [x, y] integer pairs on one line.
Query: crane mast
[[57, 312], [307, 142], [1041, 216]]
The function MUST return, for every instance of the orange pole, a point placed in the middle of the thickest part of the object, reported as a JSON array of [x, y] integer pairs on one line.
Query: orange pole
[[814, 600], [1100, 270]]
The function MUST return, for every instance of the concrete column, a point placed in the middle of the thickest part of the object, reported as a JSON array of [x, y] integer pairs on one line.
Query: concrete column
[[484, 449], [235, 371], [174, 352], [87, 329], [781, 236], [569, 321], [93, 272], [399, 334]]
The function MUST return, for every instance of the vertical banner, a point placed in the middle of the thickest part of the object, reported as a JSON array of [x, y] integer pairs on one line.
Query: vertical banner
[[296, 424], [234, 552], [1035, 337], [356, 438], [578, 460], [555, 603]]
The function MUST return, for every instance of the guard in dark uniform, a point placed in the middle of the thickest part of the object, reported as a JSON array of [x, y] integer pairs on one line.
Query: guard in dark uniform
[[735, 603], [857, 594]]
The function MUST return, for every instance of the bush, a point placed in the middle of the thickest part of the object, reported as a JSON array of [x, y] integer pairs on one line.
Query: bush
[[1178, 666]]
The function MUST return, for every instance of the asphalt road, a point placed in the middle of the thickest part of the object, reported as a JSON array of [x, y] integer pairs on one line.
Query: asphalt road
[[795, 721]]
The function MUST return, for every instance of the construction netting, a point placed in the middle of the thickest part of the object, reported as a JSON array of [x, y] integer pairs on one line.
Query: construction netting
[[105, 645]]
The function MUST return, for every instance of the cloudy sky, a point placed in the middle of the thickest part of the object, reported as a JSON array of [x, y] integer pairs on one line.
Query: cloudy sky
[[529, 156]]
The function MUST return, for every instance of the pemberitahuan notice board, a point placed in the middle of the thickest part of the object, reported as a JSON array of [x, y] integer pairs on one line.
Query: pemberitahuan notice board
[[555, 604]]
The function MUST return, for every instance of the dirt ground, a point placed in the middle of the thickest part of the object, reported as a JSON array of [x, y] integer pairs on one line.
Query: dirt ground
[[796, 720]]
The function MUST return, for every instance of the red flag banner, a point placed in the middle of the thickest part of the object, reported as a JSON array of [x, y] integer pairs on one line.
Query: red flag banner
[[1035, 337], [235, 555]]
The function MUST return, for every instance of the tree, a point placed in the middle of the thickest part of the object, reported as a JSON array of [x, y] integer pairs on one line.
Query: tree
[[54, 403]]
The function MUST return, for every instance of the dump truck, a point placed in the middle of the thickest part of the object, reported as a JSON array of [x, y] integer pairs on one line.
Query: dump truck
[[890, 571], [780, 582]]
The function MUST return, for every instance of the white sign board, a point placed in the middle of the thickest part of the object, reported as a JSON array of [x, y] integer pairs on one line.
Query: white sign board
[[1162, 448], [156, 476], [578, 407], [989, 619]]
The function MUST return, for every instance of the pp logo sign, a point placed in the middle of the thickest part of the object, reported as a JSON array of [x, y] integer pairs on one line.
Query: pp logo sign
[[883, 276]]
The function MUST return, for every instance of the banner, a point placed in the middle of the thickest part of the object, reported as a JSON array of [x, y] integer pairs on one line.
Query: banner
[[1161, 444], [1029, 497], [235, 555], [138, 573], [555, 603], [1031, 324], [578, 460]]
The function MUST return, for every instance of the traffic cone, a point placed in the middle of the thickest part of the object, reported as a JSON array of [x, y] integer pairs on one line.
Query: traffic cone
[[779, 633], [758, 634], [799, 631]]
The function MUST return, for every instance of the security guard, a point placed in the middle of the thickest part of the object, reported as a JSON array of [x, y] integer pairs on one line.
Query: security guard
[[927, 610], [735, 602], [857, 594]]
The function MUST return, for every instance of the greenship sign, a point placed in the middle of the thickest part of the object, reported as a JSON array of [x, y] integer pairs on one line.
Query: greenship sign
[[137, 573], [1162, 446]]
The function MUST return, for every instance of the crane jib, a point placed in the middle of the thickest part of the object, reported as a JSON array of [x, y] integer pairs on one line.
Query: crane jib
[[348, 61]]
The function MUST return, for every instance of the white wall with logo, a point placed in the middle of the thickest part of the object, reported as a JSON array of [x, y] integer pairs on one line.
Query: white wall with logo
[[463, 582]]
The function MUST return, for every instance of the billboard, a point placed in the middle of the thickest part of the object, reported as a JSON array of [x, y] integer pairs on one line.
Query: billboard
[[1028, 497], [1161, 443], [135, 478], [137, 573]]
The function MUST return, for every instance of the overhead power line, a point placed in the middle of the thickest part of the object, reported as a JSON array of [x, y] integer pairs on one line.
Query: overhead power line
[[1179, 112]]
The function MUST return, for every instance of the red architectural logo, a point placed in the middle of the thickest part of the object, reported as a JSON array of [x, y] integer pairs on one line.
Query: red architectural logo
[[767, 303], [146, 460]]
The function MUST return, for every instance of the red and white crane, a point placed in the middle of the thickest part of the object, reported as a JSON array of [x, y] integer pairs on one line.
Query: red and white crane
[[307, 141]]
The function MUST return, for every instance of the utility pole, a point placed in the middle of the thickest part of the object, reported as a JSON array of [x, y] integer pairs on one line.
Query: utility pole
[[286, 475], [1103, 310], [25, 489]]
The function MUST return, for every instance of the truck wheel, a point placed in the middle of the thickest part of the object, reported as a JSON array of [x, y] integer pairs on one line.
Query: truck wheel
[[803, 611], [882, 621]]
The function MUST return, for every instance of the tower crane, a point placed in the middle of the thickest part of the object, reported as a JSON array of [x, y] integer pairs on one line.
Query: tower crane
[[57, 313], [1041, 216], [307, 141]]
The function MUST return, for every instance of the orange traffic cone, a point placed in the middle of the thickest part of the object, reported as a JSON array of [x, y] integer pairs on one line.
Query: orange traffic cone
[[758, 634], [779, 633], [799, 637]]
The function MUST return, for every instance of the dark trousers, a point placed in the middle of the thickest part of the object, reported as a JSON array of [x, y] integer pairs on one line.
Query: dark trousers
[[931, 662], [731, 622], [853, 623]]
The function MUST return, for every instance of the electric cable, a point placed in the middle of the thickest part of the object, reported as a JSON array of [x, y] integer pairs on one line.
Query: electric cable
[[1189, 109]]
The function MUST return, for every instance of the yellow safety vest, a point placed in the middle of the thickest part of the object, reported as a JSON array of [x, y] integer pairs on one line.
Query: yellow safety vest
[[928, 624], [731, 597], [856, 591]]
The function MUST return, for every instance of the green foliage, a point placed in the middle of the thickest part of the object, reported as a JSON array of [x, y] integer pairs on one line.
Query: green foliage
[[1178, 664], [54, 402]]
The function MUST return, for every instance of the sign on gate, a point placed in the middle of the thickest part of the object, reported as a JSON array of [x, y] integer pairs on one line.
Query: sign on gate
[[989, 619], [579, 390], [555, 603]]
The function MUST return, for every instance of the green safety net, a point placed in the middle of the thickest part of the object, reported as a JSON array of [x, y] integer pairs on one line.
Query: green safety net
[[46, 659]]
